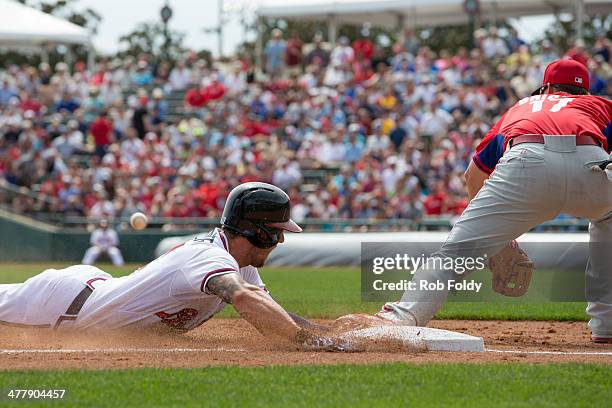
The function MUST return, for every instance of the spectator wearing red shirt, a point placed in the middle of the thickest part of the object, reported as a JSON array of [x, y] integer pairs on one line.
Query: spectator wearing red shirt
[[436, 202], [252, 127], [30, 104], [209, 194], [196, 98], [179, 209], [293, 56], [102, 132], [214, 90], [578, 53], [208, 91], [364, 47], [100, 77]]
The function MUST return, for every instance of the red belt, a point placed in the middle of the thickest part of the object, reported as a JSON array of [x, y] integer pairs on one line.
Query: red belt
[[582, 140]]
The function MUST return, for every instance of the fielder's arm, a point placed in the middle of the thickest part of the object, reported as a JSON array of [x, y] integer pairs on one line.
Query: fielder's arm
[[254, 305], [474, 178]]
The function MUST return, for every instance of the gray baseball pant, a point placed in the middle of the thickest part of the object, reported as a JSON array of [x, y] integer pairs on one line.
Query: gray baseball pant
[[532, 183]]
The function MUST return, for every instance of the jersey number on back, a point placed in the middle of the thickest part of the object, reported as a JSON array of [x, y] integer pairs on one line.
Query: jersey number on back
[[536, 106]]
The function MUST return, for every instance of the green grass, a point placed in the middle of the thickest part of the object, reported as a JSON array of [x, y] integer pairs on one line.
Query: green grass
[[332, 292], [462, 385], [328, 293]]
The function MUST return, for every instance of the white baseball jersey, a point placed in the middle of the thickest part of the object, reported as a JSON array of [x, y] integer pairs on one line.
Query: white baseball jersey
[[169, 291], [104, 238]]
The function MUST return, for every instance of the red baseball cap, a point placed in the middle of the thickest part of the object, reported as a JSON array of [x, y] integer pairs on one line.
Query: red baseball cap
[[565, 72]]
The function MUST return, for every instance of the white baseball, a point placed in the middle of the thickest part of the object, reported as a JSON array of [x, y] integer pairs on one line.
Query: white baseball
[[138, 221]]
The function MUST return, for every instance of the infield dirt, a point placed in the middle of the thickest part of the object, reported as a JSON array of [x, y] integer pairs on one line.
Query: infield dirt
[[235, 342]]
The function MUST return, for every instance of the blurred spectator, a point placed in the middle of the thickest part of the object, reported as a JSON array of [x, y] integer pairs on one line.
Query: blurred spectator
[[514, 42], [7, 91], [342, 54], [287, 174], [275, 52], [180, 76], [131, 147], [140, 117], [363, 47], [435, 121], [409, 43], [578, 52], [102, 132], [143, 75], [68, 103], [603, 47], [318, 56], [547, 55], [493, 46], [235, 81], [294, 53], [70, 142]]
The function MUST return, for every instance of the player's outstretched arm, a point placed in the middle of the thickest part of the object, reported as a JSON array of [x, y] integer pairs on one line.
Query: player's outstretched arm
[[304, 323], [268, 317], [254, 305], [307, 324]]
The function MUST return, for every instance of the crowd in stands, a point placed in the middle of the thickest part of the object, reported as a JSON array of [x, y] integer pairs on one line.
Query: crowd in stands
[[347, 130]]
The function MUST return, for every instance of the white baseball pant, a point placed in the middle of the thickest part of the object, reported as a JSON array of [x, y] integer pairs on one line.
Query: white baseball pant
[[95, 251], [42, 299]]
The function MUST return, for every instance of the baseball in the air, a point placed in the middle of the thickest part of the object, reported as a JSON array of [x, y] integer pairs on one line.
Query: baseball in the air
[[138, 221]]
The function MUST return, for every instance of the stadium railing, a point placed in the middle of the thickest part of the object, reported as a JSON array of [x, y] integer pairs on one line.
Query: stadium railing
[[9, 192]]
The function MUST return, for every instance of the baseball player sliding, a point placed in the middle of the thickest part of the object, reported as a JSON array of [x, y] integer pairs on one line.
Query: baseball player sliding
[[181, 289], [546, 155], [103, 240]]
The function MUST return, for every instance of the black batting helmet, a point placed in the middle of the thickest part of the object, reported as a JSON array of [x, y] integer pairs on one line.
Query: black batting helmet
[[260, 212]]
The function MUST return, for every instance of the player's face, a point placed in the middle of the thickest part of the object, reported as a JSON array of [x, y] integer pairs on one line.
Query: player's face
[[260, 255]]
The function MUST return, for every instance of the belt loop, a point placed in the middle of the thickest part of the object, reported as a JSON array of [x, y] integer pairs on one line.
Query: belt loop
[[560, 144]]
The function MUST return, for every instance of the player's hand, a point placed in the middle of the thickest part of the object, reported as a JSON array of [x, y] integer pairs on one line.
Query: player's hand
[[308, 341], [359, 321]]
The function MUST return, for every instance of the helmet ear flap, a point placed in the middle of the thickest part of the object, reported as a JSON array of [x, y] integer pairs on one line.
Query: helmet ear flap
[[258, 235], [265, 237]]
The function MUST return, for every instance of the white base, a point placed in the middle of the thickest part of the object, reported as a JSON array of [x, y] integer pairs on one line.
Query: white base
[[412, 338]]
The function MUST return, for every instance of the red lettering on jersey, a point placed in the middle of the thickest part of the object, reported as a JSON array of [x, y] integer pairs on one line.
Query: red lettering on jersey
[[177, 320]]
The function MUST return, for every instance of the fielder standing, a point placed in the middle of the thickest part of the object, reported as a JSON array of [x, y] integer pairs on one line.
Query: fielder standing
[[546, 155], [104, 240]]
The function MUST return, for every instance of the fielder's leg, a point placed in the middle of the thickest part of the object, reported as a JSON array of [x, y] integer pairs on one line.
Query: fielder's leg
[[115, 255], [518, 196], [599, 279], [91, 255], [590, 196]]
